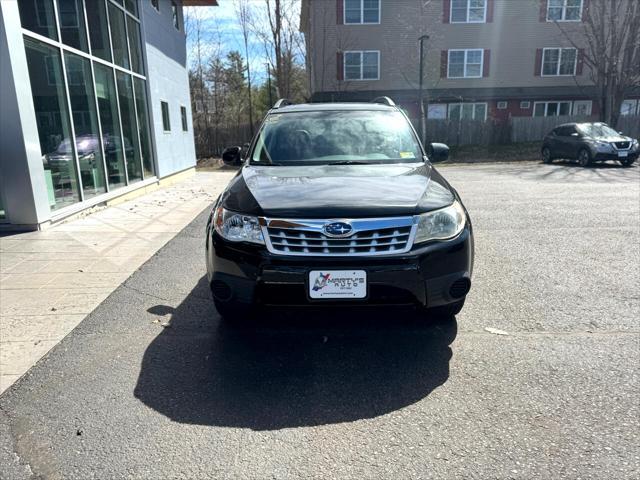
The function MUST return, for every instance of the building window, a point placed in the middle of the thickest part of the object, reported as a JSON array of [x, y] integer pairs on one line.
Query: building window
[[437, 111], [175, 14], [363, 65], [559, 62], [38, 16], [183, 116], [582, 107], [361, 11], [166, 121], [92, 121], [630, 107], [468, 11], [54, 126], [525, 105], [564, 10], [502, 105], [156, 4], [551, 109], [468, 111], [465, 63]]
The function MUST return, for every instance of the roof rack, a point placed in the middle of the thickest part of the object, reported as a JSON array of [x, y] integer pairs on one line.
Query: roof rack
[[384, 101], [283, 102]]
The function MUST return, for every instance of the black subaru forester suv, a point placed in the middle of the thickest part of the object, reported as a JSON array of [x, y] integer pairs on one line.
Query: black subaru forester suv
[[338, 204]]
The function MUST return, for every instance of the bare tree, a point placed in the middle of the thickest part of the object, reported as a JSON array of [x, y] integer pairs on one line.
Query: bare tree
[[610, 46], [244, 18], [276, 25]]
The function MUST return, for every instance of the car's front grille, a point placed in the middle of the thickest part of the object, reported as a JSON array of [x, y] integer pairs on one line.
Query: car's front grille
[[622, 145], [369, 237]]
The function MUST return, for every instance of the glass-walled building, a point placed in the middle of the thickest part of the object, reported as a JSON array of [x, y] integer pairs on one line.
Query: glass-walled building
[[86, 84]]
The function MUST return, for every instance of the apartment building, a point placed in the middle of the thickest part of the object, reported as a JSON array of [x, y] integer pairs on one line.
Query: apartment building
[[483, 58], [95, 103]]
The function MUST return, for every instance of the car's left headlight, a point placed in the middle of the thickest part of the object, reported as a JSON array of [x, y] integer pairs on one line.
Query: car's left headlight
[[635, 145], [237, 227], [441, 224]]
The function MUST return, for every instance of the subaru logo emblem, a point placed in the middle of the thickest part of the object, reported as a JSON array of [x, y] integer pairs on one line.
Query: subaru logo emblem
[[338, 229]]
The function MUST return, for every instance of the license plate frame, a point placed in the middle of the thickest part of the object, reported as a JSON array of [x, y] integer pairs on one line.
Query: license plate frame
[[623, 154], [344, 284]]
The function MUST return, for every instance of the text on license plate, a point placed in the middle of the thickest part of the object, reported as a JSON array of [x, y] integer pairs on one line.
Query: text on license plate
[[337, 284], [623, 154]]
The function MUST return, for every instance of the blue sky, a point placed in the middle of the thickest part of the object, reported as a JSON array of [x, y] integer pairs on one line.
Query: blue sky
[[221, 31]]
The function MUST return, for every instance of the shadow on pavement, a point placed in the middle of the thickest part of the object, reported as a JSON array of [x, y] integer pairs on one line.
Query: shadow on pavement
[[292, 368], [569, 171]]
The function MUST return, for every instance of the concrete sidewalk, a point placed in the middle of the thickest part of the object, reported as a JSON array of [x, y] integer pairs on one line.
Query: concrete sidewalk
[[50, 280]]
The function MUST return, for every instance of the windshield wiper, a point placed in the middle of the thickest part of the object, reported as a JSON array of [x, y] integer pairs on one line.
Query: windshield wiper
[[350, 162]]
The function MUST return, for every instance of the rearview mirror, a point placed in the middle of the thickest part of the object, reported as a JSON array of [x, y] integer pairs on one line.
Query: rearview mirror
[[575, 134], [438, 152], [231, 156]]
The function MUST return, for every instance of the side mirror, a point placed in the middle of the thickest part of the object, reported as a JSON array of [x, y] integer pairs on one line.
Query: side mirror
[[231, 156], [621, 133], [438, 152]]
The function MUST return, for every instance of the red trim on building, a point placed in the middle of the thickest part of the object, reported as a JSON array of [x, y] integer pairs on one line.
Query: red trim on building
[[444, 63], [340, 65], [446, 11], [340, 12], [490, 8], [538, 65], [580, 62], [486, 63], [543, 10], [585, 10]]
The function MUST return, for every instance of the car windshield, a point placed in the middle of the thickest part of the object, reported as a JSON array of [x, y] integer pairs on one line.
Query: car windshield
[[597, 130], [336, 137]]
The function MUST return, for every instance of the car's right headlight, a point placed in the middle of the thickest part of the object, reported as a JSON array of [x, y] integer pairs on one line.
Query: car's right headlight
[[441, 224], [237, 227]]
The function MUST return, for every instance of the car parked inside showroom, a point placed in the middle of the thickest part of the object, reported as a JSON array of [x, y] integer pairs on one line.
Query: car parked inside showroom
[[588, 143], [338, 204]]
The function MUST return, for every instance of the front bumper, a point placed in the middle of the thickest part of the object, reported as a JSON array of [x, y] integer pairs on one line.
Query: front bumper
[[433, 274], [602, 157]]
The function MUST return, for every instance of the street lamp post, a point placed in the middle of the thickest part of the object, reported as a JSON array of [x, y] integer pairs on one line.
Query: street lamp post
[[423, 125]]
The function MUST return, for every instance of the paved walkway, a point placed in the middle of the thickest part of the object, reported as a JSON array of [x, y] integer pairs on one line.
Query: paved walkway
[[50, 280]]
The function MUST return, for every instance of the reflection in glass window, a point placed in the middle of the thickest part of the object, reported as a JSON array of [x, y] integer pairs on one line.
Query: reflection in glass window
[[85, 123], [133, 30], [99, 31], [131, 6], [38, 16], [325, 137], [361, 65], [129, 129], [559, 61], [143, 126], [468, 111], [118, 36], [52, 116], [111, 136], [72, 29]]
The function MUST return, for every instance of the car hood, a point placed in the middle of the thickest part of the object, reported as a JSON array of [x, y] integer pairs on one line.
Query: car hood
[[612, 138], [324, 191]]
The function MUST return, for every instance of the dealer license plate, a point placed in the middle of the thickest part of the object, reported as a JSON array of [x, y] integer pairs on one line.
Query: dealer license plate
[[623, 154], [337, 284]]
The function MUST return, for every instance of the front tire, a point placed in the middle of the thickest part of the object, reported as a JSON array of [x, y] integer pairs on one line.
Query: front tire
[[627, 162], [546, 155], [584, 158]]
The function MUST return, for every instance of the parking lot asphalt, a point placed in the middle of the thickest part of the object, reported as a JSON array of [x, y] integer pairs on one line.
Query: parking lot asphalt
[[153, 385]]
